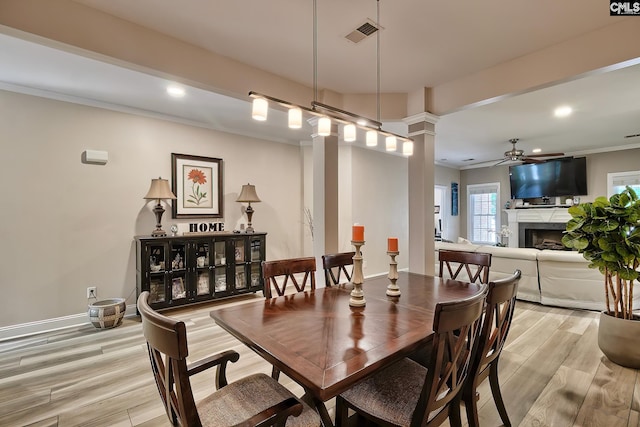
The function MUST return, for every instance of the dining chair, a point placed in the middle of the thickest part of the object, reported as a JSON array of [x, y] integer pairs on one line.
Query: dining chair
[[501, 301], [256, 400], [335, 265], [409, 394], [476, 264], [285, 270], [282, 271]]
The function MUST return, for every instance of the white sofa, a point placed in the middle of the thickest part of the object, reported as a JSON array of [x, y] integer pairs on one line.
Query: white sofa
[[558, 278]]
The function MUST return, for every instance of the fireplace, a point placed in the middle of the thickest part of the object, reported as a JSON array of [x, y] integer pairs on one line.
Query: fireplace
[[541, 235], [551, 218]]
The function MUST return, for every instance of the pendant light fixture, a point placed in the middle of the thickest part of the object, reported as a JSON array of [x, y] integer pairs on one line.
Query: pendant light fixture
[[328, 114]]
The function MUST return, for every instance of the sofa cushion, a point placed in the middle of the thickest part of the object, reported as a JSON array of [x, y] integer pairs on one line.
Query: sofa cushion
[[567, 281], [504, 261]]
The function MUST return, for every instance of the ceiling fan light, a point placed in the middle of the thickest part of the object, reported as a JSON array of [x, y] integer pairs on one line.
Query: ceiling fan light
[[349, 132], [407, 148], [324, 126], [372, 138], [391, 143], [295, 118], [259, 109]]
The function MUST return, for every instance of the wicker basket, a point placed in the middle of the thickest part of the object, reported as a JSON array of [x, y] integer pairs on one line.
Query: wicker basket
[[108, 313]]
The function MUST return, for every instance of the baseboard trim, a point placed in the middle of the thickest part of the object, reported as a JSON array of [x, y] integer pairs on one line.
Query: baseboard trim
[[48, 325]]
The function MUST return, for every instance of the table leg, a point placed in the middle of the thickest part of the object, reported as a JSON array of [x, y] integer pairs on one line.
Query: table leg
[[320, 408]]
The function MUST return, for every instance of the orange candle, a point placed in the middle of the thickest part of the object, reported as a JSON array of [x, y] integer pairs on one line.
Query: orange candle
[[392, 244], [357, 233]]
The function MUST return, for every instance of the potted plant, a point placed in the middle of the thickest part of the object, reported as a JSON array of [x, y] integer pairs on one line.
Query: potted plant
[[607, 233]]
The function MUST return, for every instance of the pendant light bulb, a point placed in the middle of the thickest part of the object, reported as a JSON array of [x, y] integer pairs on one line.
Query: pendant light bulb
[[259, 110], [349, 132], [407, 148], [391, 143], [372, 138], [324, 126], [295, 118]]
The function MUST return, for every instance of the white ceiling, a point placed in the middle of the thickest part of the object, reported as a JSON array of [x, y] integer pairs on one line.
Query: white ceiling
[[424, 43]]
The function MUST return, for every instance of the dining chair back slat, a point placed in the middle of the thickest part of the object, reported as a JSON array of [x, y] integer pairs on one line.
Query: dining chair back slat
[[335, 265], [475, 264], [279, 273]]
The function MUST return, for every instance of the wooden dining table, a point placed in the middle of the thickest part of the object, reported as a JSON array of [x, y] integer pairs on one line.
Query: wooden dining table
[[327, 346]]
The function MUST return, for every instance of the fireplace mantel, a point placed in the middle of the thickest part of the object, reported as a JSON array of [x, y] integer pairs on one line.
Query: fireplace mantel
[[516, 216]]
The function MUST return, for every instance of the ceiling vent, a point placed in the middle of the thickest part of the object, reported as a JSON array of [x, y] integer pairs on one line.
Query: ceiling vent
[[635, 135], [363, 31]]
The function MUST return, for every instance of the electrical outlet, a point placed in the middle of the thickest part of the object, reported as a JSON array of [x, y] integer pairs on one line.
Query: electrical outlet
[[92, 292]]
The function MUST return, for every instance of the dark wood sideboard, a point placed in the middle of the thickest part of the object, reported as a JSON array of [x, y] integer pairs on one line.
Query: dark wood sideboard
[[180, 270]]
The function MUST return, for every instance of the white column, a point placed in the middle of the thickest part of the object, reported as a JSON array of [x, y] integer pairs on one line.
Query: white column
[[325, 195], [421, 188]]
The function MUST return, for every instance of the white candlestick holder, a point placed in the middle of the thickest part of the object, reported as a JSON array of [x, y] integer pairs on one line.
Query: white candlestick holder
[[357, 295], [392, 289]]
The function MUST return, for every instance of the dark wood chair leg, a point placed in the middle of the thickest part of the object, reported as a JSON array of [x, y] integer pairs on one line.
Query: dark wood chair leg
[[471, 406], [342, 413], [275, 373], [454, 413], [497, 394]]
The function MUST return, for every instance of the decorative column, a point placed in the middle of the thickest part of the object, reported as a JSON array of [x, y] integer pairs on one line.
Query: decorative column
[[421, 189]]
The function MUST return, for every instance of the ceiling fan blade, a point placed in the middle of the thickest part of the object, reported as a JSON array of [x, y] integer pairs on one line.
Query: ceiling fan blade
[[545, 155], [502, 161], [528, 159]]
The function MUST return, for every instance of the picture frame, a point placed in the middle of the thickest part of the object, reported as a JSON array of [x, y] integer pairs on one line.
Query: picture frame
[[196, 182]]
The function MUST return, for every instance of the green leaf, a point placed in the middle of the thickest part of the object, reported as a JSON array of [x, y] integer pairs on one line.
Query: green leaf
[[578, 242], [575, 223], [628, 273], [601, 202], [610, 256], [578, 211]]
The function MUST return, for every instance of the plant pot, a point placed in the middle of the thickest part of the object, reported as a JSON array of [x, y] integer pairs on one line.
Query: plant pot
[[108, 313], [619, 340]]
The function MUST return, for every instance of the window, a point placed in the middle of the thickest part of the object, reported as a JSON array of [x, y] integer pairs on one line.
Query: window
[[617, 181], [483, 219]]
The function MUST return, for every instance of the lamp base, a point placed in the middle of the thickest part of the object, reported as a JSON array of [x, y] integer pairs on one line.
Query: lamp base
[[158, 210], [159, 232]]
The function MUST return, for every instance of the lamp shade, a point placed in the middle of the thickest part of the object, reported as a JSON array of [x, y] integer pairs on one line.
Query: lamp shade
[[159, 190], [391, 143], [324, 126], [295, 118], [372, 138], [407, 148], [259, 109], [248, 194], [349, 132]]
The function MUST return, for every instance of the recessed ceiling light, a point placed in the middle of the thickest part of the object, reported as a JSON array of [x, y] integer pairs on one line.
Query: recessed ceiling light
[[536, 150], [563, 111], [175, 91]]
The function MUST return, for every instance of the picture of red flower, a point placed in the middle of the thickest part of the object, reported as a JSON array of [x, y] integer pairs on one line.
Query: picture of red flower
[[199, 178]]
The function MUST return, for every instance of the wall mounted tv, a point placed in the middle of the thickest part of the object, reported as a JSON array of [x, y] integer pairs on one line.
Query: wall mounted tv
[[566, 176]]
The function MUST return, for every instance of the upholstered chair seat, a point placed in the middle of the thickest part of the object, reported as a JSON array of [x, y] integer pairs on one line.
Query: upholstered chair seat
[[240, 400]]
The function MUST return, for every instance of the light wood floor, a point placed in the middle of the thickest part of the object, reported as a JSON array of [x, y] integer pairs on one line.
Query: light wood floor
[[552, 374]]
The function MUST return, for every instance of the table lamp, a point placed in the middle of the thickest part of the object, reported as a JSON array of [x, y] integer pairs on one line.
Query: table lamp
[[248, 195], [159, 190]]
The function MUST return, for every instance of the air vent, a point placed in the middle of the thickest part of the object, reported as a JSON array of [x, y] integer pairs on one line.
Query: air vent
[[633, 136], [363, 31]]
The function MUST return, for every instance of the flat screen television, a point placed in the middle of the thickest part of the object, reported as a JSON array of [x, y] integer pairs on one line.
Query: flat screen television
[[566, 176]]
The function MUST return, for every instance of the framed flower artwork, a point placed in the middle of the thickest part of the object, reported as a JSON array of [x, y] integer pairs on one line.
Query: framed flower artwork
[[197, 183]]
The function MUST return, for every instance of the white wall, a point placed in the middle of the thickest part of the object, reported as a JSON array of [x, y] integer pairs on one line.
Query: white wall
[[445, 176], [379, 202], [66, 225]]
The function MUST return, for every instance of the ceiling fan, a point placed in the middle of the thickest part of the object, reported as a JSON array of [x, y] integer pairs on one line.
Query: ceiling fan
[[516, 155]]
